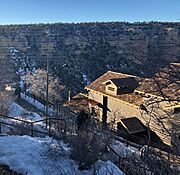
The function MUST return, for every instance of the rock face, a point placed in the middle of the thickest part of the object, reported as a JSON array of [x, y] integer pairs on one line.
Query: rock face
[[79, 53], [4, 170]]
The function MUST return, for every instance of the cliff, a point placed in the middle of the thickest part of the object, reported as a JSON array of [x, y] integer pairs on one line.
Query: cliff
[[79, 53]]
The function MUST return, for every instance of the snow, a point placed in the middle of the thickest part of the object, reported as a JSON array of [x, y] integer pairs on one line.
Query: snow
[[36, 103], [13, 50], [24, 154], [30, 116], [85, 79], [40, 156], [16, 110], [124, 151], [108, 168], [33, 102]]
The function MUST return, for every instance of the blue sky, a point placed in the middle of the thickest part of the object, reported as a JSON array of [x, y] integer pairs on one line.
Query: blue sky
[[50, 11]]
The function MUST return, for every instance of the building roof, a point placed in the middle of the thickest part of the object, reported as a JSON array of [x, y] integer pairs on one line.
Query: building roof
[[127, 81], [80, 102], [133, 125], [99, 86], [165, 84]]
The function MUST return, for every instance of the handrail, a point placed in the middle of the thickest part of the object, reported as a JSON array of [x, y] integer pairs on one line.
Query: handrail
[[16, 119], [31, 124], [23, 128], [49, 118]]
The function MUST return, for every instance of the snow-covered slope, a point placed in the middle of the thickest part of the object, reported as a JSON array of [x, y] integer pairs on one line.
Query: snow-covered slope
[[16, 110], [44, 156]]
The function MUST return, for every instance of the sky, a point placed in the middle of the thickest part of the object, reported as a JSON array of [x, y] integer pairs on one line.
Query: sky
[[52, 11]]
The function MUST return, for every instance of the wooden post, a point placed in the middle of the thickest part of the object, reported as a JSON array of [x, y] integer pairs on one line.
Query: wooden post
[[19, 93], [49, 127], [31, 129], [119, 162], [64, 127], [47, 91]]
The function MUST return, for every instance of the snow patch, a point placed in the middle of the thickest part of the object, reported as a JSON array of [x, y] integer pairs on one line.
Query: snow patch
[[40, 156], [85, 79], [16, 110], [124, 151], [107, 168], [36, 103]]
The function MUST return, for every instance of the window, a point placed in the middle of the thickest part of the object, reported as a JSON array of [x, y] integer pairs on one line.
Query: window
[[111, 89], [176, 110], [136, 93]]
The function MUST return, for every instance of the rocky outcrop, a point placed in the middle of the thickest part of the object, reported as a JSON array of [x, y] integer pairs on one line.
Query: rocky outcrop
[[4, 170]]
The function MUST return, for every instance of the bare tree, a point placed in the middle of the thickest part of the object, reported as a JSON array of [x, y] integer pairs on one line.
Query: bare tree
[[36, 84], [7, 78], [161, 109], [6, 100]]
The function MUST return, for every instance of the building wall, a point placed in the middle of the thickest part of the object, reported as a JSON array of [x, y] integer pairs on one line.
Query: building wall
[[120, 109], [111, 92]]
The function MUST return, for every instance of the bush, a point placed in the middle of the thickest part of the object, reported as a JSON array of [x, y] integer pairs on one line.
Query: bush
[[87, 148]]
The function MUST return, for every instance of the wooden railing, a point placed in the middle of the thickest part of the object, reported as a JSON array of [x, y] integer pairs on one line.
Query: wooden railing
[[30, 126]]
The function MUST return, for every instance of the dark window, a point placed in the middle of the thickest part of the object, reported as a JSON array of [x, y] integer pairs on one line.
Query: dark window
[[111, 89], [176, 110]]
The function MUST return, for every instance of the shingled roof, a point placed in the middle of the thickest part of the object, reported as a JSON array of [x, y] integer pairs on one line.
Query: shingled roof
[[80, 102], [127, 81], [165, 84], [99, 86]]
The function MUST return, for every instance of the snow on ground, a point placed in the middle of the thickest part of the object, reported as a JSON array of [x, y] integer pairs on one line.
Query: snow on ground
[[20, 113], [16, 110], [32, 101], [41, 156], [123, 150], [36, 103], [107, 168], [31, 116]]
